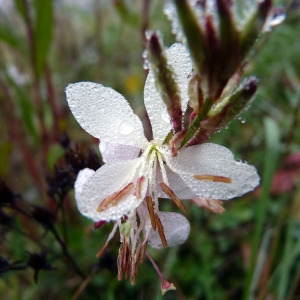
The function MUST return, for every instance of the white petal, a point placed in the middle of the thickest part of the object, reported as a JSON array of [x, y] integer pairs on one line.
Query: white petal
[[178, 58], [177, 185], [82, 178], [176, 230], [212, 159], [116, 152], [110, 178], [105, 114]]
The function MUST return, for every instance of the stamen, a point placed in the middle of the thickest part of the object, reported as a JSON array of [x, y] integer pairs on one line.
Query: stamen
[[113, 199], [101, 251], [160, 229], [133, 270], [111, 235], [173, 197], [151, 212], [213, 178], [162, 169], [139, 184], [138, 252], [215, 206]]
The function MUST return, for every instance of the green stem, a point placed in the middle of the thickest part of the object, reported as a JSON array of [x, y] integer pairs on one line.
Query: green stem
[[194, 127]]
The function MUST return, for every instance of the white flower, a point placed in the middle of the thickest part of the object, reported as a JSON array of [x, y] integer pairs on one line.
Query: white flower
[[137, 171]]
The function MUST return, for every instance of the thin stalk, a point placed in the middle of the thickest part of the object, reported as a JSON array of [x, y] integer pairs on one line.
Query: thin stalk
[[271, 153], [37, 98], [194, 127], [52, 100], [67, 254]]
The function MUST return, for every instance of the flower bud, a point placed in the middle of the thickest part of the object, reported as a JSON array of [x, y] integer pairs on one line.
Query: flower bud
[[164, 80]]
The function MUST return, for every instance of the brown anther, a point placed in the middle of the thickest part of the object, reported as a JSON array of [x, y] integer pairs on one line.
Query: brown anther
[[173, 197], [143, 251], [151, 212], [160, 230], [115, 198], [101, 251], [139, 185], [133, 270], [215, 206], [138, 252], [119, 263], [213, 178]]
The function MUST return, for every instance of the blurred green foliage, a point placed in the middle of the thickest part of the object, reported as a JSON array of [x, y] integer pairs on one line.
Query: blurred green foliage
[[251, 251]]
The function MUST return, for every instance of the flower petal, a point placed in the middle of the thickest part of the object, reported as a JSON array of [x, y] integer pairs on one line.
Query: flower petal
[[82, 178], [179, 59], [105, 114], [107, 180], [177, 185], [215, 160], [176, 230], [116, 152]]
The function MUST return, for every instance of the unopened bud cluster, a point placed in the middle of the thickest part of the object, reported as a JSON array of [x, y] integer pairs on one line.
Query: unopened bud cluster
[[219, 40]]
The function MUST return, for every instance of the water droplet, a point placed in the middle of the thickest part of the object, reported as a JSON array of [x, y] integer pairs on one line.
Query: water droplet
[[146, 60], [125, 127], [276, 18], [243, 120]]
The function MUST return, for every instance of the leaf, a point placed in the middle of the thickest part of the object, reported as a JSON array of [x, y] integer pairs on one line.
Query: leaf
[[20, 6], [42, 32], [9, 36], [26, 108]]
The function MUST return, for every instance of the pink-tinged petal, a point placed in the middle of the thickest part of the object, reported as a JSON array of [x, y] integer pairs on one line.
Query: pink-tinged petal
[[105, 114], [178, 186], [115, 152], [111, 178], [211, 172], [178, 58], [176, 230]]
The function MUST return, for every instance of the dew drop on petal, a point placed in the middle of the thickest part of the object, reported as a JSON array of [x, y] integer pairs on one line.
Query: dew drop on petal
[[126, 127]]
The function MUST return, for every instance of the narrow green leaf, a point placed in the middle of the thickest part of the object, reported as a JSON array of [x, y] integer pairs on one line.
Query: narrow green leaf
[[253, 27], [25, 106], [20, 6], [9, 37], [272, 133], [42, 32]]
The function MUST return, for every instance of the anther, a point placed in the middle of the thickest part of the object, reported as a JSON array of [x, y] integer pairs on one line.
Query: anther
[[151, 212], [213, 178], [160, 230], [172, 195], [115, 198]]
